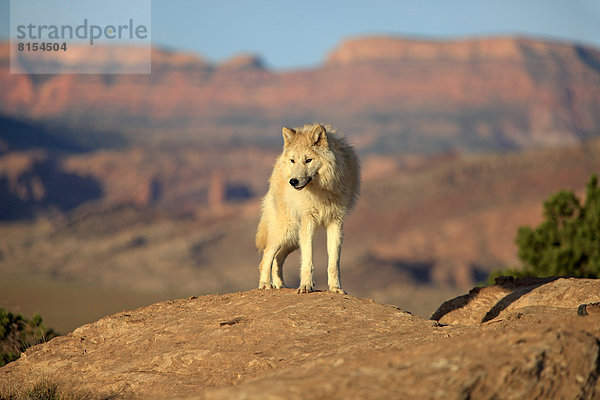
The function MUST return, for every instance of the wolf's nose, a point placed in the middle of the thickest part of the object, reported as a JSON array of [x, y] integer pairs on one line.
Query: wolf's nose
[[294, 182]]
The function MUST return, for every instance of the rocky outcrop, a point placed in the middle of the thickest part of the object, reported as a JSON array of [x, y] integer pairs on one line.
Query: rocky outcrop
[[483, 304], [278, 344]]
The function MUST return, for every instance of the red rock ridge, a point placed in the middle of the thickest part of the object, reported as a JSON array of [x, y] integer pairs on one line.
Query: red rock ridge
[[477, 94], [368, 49]]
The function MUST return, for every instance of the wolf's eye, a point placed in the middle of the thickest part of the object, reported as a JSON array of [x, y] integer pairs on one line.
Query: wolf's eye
[[292, 161], [308, 160]]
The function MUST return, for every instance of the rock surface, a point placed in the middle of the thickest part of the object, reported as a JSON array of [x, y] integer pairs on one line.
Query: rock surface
[[280, 345]]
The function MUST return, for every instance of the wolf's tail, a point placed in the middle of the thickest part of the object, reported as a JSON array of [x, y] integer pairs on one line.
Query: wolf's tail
[[261, 235]]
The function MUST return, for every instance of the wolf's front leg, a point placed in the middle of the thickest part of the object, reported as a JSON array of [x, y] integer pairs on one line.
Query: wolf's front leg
[[307, 231], [265, 268], [334, 246]]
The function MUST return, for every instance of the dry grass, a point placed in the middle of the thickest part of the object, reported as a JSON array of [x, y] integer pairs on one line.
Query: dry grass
[[44, 388]]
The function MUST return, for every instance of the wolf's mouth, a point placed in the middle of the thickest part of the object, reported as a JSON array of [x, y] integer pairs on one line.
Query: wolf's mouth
[[302, 187]]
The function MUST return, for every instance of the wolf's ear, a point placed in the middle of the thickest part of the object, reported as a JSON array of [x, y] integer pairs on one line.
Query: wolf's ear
[[318, 136], [288, 135]]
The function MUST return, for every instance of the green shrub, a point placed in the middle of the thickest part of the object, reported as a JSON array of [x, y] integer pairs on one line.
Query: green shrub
[[567, 242], [18, 333]]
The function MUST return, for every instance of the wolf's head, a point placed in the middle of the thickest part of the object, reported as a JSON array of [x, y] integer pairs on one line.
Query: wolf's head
[[303, 154]]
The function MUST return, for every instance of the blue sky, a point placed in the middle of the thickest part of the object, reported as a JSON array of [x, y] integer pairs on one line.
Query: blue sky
[[296, 34]]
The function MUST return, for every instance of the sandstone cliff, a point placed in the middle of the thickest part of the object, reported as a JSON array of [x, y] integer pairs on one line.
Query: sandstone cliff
[[387, 94]]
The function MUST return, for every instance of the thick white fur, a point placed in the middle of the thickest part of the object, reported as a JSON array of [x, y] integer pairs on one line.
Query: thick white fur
[[329, 169]]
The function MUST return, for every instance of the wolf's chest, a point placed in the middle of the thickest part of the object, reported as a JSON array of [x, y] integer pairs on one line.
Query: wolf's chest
[[319, 207]]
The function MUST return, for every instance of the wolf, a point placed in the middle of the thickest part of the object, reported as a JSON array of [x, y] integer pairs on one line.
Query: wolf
[[315, 183]]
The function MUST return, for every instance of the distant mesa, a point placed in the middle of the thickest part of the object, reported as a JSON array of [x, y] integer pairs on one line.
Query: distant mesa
[[177, 58], [382, 48], [243, 61]]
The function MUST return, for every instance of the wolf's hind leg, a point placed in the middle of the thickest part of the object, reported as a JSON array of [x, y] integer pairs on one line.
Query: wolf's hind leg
[[265, 268], [277, 272], [334, 246]]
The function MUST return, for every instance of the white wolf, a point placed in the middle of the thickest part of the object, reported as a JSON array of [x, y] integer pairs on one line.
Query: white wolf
[[315, 182]]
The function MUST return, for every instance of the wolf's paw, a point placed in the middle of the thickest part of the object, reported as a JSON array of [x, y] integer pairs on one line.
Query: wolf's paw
[[280, 285], [337, 290], [306, 288], [265, 285]]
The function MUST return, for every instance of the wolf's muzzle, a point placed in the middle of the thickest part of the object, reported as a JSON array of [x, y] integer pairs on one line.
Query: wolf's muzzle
[[296, 183]]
